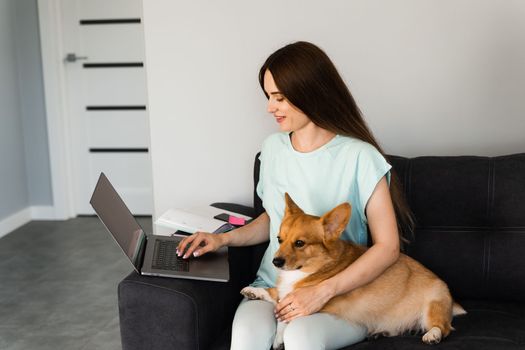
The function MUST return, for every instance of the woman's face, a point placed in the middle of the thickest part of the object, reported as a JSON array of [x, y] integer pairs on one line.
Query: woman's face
[[286, 115]]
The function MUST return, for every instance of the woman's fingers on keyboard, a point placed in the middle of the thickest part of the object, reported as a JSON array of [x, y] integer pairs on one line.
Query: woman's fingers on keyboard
[[198, 239], [183, 244]]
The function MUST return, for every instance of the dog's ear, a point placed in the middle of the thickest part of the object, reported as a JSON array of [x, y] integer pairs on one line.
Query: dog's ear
[[291, 208], [335, 221]]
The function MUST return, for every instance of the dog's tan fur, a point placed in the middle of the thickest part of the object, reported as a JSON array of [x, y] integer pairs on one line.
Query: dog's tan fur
[[405, 297]]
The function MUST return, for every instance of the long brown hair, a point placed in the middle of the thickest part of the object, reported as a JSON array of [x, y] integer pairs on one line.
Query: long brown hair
[[306, 76]]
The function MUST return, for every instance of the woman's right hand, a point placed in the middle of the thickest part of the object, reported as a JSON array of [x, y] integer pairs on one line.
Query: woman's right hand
[[200, 243]]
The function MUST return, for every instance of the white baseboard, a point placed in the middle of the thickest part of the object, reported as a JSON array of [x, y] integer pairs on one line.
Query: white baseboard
[[25, 215], [43, 213], [14, 221]]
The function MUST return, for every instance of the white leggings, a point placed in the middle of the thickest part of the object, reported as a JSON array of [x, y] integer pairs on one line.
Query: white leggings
[[254, 328]]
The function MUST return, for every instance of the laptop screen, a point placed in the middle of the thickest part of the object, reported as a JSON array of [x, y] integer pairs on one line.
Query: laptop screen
[[118, 220]]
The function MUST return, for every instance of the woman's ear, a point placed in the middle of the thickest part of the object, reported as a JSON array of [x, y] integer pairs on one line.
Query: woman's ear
[[335, 221]]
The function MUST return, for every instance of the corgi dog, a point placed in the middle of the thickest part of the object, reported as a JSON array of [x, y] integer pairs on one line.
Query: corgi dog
[[405, 297]]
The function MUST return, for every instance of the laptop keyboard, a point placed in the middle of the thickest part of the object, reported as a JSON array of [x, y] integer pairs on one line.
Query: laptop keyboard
[[165, 257]]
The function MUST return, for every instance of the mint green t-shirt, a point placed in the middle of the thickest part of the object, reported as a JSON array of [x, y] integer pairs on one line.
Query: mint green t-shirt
[[343, 170]]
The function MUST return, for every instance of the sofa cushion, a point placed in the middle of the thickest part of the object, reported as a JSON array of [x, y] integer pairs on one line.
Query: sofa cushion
[[487, 325], [466, 191], [470, 223]]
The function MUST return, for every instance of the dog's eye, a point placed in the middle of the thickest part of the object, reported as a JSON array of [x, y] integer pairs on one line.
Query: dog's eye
[[279, 239], [299, 243]]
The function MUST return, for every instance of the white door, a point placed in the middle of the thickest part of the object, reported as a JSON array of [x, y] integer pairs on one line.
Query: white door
[[103, 43]]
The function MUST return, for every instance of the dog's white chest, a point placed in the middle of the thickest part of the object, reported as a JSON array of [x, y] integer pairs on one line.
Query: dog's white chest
[[287, 279]]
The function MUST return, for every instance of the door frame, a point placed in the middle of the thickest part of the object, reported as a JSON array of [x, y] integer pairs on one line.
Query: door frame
[[58, 131]]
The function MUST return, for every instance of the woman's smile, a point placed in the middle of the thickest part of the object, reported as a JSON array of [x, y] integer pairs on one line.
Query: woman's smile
[[279, 119]]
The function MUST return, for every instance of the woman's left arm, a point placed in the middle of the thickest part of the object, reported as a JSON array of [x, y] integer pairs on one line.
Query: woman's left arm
[[381, 255]]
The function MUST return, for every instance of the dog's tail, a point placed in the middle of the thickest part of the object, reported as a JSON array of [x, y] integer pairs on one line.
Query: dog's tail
[[457, 309]]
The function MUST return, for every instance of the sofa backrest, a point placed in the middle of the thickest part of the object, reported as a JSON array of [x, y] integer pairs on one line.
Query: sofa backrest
[[470, 221], [470, 217]]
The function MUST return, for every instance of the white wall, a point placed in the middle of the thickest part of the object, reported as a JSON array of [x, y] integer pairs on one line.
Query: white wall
[[13, 175], [32, 105], [25, 187], [440, 77]]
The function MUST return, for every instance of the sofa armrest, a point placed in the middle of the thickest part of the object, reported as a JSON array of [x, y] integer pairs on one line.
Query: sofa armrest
[[169, 313]]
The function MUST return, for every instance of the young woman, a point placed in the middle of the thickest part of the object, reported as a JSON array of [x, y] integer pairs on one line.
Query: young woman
[[324, 155]]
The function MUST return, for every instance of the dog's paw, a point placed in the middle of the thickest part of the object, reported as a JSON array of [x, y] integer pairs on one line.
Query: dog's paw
[[278, 347], [254, 293], [278, 341], [376, 336], [433, 336], [251, 292]]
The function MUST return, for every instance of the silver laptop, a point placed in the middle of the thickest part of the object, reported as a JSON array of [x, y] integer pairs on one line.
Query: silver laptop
[[151, 254]]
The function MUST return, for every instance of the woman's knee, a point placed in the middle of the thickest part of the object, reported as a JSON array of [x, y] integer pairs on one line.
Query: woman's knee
[[321, 331], [254, 323], [252, 329], [302, 334]]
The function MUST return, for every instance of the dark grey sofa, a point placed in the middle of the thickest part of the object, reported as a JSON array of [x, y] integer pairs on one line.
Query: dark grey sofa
[[470, 214]]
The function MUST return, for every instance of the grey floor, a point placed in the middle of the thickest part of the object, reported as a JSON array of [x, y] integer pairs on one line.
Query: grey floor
[[58, 286]]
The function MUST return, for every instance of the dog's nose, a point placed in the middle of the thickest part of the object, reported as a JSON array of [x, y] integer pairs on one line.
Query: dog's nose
[[278, 262]]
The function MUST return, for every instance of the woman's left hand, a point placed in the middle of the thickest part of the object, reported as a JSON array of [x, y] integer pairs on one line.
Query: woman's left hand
[[302, 302]]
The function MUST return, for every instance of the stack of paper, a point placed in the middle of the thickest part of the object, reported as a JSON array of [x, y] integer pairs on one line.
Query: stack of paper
[[178, 219]]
